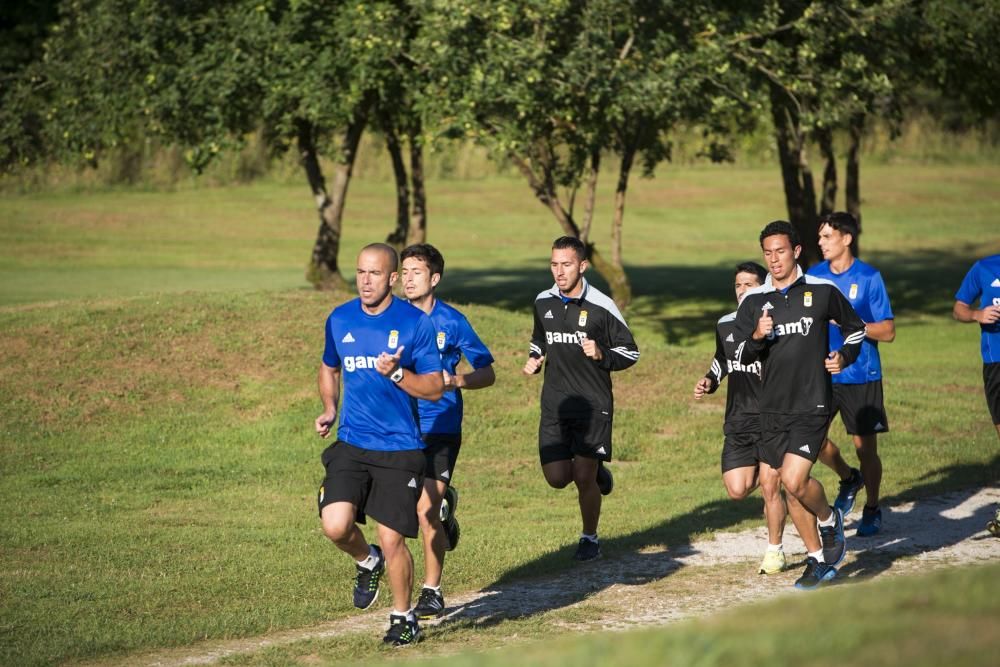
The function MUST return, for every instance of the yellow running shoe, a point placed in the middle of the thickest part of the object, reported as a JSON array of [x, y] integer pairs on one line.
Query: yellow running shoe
[[773, 563]]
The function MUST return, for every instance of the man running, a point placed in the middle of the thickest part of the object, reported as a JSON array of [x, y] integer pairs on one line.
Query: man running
[[784, 324], [383, 348], [742, 467], [441, 421], [857, 390], [580, 337], [982, 284]]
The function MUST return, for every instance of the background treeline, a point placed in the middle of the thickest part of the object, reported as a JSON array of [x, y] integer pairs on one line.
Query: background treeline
[[561, 93]]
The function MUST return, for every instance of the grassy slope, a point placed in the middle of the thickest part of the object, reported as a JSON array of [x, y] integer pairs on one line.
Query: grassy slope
[[155, 448]]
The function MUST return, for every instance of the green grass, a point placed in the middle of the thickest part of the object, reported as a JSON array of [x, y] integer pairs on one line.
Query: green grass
[[158, 389]]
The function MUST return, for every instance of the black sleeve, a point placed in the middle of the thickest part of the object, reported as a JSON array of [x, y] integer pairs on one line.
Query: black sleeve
[[719, 367], [851, 326], [622, 351], [749, 350], [538, 346]]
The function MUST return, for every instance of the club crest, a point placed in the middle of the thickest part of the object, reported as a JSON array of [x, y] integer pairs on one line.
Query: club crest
[[440, 340], [807, 299], [393, 338], [853, 293], [583, 318]]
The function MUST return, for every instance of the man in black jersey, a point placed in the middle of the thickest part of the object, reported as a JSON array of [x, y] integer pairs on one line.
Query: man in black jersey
[[742, 467], [582, 336], [785, 325]]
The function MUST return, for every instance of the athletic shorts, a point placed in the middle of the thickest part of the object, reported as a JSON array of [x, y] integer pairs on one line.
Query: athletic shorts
[[562, 438], [441, 452], [740, 450], [382, 485], [862, 408], [991, 384], [801, 435]]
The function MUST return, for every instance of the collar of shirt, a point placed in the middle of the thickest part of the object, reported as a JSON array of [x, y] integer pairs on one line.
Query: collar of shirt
[[572, 299]]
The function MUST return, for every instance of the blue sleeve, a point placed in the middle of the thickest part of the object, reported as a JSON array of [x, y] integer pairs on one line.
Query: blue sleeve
[[330, 356], [878, 299], [424, 356], [970, 289], [472, 347]]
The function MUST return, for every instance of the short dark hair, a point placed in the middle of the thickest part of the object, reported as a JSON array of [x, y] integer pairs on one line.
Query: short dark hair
[[751, 267], [843, 222], [430, 255], [576, 244], [780, 227], [389, 251]]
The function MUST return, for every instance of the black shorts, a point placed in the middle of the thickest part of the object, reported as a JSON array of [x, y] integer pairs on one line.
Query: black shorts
[[382, 485], [801, 435], [441, 452], [861, 407], [991, 384], [741, 450], [562, 438]]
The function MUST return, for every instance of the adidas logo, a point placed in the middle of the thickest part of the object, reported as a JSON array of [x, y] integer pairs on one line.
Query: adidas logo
[[805, 448], [730, 339], [348, 338], [446, 474], [995, 283], [413, 483], [767, 306], [880, 426], [548, 315], [601, 450]]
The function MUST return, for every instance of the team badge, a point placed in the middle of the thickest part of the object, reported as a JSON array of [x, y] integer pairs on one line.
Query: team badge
[[853, 294], [440, 340], [393, 338], [807, 300], [583, 318]]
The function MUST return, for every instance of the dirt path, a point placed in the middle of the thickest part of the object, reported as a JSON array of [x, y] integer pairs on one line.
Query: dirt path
[[630, 591]]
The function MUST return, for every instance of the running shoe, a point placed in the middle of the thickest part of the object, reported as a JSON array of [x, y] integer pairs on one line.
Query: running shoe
[[366, 582], [816, 573], [834, 542], [993, 525], [605, 480], [587, 550], [452, 531], [430, 604], [849, 492], [449, 504], [871, 521], [773, 563], [401, 631]]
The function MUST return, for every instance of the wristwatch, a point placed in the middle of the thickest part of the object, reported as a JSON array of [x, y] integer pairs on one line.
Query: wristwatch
[[397, 376]]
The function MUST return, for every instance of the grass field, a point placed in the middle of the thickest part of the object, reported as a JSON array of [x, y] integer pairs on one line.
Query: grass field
[[158, 356]]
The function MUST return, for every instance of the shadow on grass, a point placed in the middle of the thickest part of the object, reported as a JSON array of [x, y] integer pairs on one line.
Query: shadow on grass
[[555, 581], [686, 301]]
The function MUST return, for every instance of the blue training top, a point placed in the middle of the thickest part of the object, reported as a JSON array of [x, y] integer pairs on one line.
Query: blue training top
[[862, 284], [375, 413], [455, 337], [983, 282]]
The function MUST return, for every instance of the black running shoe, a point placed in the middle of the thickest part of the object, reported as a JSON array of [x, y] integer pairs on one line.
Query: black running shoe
[[816, 573], [430, 604], [449, 504], [453, 532], [834, 542], [849, 492], [401, 631], [366, 582], [587, 550], [605, 480]]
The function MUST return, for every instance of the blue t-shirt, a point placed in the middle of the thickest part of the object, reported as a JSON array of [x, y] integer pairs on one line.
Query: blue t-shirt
[[983, 282], [455, 337], [863, 286], [375, 413]]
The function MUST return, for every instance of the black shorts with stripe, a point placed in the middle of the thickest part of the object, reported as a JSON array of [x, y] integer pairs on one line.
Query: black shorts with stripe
[[801, 435], [861, 407], [441, 453], [561, 438]]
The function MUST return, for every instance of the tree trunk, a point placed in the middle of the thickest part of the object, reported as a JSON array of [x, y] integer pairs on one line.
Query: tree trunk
[[545, 193], [418, 218], [828, 203], [398, 237], [853, 176], [800, 195], [588, 204], [623, 290]]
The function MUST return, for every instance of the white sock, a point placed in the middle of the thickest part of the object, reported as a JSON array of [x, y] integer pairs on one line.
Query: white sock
[[372, 560], [818, 555], [592, 538], [830, 520], [408, 614], [436, 589], [776, 547]]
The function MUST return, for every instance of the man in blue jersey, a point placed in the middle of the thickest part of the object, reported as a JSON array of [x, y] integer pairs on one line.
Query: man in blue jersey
[[441, 421], [981, 288], [384, 351], [857, 390]]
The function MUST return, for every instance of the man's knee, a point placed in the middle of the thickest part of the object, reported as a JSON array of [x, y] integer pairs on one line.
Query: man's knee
[[738, 492], [336, 526], [558, 474]]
